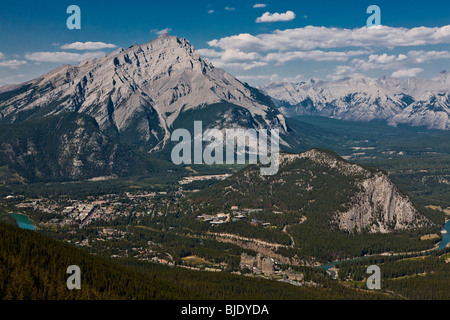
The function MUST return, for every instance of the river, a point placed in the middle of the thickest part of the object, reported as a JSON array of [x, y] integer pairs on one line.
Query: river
[[444, 242], [445, 236]]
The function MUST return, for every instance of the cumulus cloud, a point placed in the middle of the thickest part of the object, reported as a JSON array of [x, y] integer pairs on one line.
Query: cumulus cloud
[[87, 46], [211, 11], [2, 56], [385, 58], [62, 57], [12, 64], [237, 65], [361, 49], [407, 73], [229, 8], [275, 17], [229, 55], [236, 55], [382, 61], [421, 56], [210, 53], [340, 72], [311, 37], [316, 55], [259, 5]]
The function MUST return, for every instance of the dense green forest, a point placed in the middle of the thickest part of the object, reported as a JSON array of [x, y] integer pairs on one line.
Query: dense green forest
[[411, 276], [33, 267]]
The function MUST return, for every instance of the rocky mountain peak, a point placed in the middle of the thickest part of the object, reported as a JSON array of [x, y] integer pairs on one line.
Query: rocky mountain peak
[[139, 92], [163, 54]]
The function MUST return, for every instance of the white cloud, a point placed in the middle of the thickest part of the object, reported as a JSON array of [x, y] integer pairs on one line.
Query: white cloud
[[229, 55], [210, 53], [236, 55], [341, 72], [262, 78], [297, 78], [237, 65], [160, 32], [423, 56], [383, 61], [87, 46], [229, 8], [385, 58], [316, 55], [271, 78], [386, 62], [211, 11], [12, 64], [311, 37], [362, 50], [241, 41], [275, 17], [63, 57], [259, 5], [407, 73], [2, 56]]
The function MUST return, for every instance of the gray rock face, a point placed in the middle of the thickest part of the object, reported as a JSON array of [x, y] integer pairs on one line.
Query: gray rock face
[[136, 93], [380, 208], [413, 101]]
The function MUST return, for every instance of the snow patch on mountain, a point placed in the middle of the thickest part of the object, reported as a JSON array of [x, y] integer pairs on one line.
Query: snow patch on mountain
[[413, 101]]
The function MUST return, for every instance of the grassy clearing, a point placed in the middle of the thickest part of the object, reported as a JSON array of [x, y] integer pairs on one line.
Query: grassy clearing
[[195, 261], [410, 276], [434, 207], [430, 236]]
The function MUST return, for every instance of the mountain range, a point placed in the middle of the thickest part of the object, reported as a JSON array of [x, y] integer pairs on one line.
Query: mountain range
[[137, 94], [132, 99], [412, 101]]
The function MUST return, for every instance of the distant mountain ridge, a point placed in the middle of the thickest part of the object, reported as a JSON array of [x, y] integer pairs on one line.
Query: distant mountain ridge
[[412, 101]]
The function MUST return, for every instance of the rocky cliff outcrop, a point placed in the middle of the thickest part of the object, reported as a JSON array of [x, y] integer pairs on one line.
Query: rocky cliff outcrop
[[380, 207]]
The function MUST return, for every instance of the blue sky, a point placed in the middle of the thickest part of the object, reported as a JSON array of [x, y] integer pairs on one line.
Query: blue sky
[[311, 39]]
